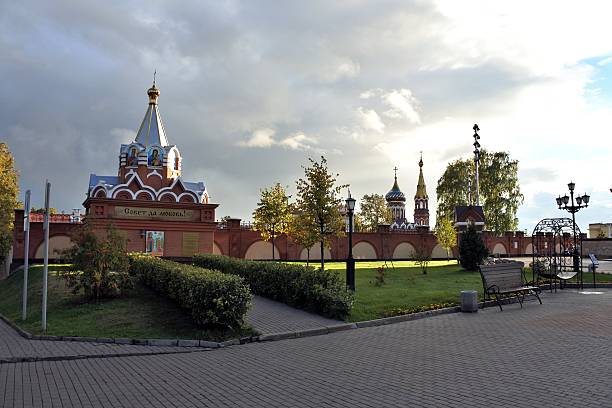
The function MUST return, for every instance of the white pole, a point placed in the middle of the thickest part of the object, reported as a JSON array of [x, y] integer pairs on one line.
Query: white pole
[[46, 254], [26, 255]]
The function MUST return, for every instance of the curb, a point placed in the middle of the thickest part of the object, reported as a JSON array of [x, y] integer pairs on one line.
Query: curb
[[122, 340]]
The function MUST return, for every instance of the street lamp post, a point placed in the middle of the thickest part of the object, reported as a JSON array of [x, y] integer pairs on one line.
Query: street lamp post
[[350, 262], [573, 208]]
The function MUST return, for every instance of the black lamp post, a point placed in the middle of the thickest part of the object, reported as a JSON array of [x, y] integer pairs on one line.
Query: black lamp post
[[350, 262], [581, 202]]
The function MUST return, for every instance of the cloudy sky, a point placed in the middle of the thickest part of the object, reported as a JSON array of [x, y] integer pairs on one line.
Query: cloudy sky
[[250, 90]]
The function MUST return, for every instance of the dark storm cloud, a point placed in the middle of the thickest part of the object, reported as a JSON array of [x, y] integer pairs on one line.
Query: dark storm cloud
[[75, 75]]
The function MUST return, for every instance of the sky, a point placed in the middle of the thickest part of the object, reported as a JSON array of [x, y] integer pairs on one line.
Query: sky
[[251, 89]]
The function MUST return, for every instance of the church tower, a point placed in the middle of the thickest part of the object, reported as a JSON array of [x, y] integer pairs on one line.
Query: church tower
[[149, 167], [396, 201], [421, 205]]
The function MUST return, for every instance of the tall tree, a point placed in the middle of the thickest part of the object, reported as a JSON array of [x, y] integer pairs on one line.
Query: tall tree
[[272, 215], [319, 199], [446, 234], [500, 193], [374, 211], [9, 189]]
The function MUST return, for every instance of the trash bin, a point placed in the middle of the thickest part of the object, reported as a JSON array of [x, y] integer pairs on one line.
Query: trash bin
[[469, 301]]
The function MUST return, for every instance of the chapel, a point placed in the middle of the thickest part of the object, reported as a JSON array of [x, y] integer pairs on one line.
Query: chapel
[[148, 199]]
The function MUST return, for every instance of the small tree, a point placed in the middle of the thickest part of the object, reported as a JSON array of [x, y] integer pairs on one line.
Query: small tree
[[374, 211], [422, 258], [446, 234], [472, 250], [272, 215], [9, 189], [319, 200], [99, 266], [302, 230]]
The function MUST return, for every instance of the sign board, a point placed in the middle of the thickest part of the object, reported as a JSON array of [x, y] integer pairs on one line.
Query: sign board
[[154, 243], [171, 214], [594, 259], [191, 243]]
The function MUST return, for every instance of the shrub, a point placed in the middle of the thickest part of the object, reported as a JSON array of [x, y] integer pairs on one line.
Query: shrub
[[99, 266], [212, 297], [300, 286], [472, 250]]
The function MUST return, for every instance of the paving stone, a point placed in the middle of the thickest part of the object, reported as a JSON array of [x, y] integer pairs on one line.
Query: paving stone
[[556, 354], [268, 316]]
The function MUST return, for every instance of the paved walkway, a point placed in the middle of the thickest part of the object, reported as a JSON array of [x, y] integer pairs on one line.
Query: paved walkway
[[268, 316], [555, 355]]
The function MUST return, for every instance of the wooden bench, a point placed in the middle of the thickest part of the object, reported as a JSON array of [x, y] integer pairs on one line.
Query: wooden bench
[[504, 280]]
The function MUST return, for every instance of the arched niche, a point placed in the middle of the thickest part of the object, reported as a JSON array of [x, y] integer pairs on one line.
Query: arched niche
[[57, 244], [261, 250], [315, 253], [439, 252], [499, 249], [364, 250], [404, 250]]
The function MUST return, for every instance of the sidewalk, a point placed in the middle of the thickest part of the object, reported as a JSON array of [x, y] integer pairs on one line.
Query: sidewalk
[[268, 316]]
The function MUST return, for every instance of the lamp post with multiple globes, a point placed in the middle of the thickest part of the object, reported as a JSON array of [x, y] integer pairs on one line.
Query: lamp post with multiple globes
[[575, 206]]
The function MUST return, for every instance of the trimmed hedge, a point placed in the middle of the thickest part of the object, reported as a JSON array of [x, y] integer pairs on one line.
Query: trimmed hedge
[[212, 297], [300, 286]]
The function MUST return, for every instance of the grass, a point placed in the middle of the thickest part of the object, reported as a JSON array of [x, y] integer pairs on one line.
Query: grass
[[406, 289], [141, 313]]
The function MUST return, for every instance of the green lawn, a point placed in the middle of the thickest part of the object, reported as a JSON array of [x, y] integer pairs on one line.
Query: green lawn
[[139, 314], [406, 289]]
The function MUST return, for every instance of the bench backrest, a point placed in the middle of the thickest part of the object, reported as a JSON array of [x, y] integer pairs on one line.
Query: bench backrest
[[506, 275]]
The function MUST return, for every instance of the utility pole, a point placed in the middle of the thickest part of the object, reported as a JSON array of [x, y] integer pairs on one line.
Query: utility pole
[[26, 255], [46, 256]]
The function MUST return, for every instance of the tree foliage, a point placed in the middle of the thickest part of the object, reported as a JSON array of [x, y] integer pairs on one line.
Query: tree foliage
[[99, 266], [41, 210], [373, 212], [472, 250], [9, 189], [319, 200], [500, 194], [272, 215], [302, 230], [446, 234]]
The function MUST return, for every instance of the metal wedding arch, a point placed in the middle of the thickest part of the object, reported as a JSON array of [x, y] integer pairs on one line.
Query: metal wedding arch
[[553, 248]]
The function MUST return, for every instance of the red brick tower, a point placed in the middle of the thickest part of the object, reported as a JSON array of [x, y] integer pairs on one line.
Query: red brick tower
[[421, 200]]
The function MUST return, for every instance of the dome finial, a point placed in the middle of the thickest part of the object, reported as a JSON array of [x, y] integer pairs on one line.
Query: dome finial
[[153, 92], [421, 161]]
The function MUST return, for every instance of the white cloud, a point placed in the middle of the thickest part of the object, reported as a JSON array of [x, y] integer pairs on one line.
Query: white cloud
[[264, 138], [370, 120], [260, 138], [403, 104], [298, 141]]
